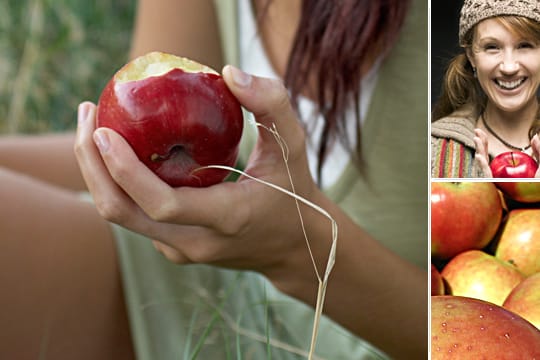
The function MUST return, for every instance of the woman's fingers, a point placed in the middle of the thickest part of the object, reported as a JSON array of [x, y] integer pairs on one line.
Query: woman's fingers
[[268, 100], [209, 207], [535, 145], [481, 156], [111, 201]]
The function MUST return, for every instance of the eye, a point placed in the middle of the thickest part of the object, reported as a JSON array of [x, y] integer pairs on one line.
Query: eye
[[526, 45], [491, 47]]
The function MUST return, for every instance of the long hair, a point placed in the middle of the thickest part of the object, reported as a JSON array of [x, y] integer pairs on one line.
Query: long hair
[[460, 87], [337, 42]]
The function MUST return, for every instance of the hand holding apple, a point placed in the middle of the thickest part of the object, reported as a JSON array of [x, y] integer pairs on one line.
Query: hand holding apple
[[177, 115], [513, 164], [240, 224]]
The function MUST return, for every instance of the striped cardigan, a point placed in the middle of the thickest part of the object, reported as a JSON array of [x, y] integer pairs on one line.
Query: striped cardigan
[[452, 146]]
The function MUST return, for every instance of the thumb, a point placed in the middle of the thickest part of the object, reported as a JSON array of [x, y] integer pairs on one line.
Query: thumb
[[268, 100]]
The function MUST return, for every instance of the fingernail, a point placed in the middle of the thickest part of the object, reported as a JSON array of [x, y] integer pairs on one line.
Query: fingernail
[[82, 112], [102, 141], [240, 78]]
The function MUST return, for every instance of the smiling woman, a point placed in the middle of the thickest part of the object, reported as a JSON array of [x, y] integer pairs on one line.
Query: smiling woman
[[489, 103]]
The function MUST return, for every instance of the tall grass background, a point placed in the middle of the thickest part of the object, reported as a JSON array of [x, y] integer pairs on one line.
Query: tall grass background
[[55, 54]]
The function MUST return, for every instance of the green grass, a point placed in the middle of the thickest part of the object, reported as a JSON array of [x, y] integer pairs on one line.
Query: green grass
[[55, 54]]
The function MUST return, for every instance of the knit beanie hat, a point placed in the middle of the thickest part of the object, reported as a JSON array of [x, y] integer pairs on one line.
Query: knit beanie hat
[[474, 11]]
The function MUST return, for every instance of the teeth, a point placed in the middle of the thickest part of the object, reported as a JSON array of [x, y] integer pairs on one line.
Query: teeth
[[510, 85]]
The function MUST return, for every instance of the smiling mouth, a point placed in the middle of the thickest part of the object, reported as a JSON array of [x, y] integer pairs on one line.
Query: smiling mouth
[[510, 85]]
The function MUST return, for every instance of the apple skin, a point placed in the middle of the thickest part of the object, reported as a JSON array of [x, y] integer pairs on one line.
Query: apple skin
[[479, 275], [464, 216], [519, 243], [471, 329], [437, 284], [525, 192], [176, 122], [513, 164], [524, 300]]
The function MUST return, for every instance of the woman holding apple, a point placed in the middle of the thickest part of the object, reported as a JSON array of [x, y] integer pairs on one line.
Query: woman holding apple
[[489, 103], [376, 300]]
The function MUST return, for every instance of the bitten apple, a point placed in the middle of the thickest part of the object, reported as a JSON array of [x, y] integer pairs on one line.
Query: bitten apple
[[479, 275], [524, 300], [513, 164], [519, 243], [177, 115], [464, 216], [471, 329]]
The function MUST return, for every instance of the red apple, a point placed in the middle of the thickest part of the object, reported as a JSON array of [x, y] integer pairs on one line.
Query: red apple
[[177, 115], [471, 329], [479, 275], [526, 192], [513, 164], [437, 284], [524, 300], [519, 243], [464, 216]]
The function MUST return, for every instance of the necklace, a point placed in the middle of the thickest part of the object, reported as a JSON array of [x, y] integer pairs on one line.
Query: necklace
[[523, 149]]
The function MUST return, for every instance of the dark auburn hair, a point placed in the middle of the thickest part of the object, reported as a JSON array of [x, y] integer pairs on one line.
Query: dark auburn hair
[[337, 42]]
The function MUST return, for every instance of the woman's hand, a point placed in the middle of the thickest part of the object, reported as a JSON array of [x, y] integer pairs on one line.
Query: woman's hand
[[248, 225], [481, 157], [535, 145], [239, 225]]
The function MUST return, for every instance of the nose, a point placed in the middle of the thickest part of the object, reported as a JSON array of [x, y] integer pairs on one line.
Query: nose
[[509, 67], [509, 64]]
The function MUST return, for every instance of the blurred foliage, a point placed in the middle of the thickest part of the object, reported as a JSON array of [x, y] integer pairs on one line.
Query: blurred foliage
[[55, 54]]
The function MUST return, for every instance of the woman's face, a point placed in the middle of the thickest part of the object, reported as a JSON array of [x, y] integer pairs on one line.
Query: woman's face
[[507, 66]]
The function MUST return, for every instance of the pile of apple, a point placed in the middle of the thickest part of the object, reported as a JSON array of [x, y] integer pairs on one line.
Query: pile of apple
[[485, 270]]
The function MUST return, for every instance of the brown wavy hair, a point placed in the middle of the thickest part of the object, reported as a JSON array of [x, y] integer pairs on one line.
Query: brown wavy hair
[[460, 87], [337, 42]]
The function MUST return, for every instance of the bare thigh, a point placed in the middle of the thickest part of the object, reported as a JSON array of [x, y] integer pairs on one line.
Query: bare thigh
[[61, 295]]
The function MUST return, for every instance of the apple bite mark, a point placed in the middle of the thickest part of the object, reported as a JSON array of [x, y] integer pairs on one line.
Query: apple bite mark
[[157, 64]]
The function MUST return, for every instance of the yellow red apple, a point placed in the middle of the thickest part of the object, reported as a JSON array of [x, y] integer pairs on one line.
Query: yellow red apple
[[437, 284], [524, 300], [479, 275], [177, 115], [470, 329], [526, 192], [519, 243], [464, 216]]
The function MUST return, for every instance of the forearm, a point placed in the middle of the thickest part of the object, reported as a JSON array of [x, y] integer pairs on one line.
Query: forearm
[[371, 291], [183, 28], [48, 157]]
